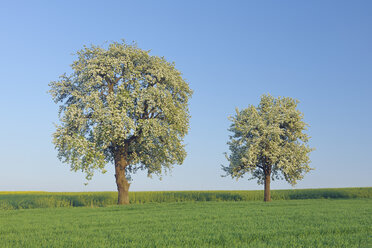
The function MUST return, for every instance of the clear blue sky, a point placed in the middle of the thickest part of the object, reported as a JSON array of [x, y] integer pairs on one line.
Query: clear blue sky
[[231, 52]]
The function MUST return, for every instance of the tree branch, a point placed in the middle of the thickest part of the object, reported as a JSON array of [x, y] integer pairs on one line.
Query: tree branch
[[117, 80]]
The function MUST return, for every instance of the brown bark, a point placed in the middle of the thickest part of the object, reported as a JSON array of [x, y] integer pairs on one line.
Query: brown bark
[[120, 163], [267, 196], [121, 181]]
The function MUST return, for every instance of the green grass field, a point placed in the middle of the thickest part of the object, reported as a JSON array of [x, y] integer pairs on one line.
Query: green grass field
[[283, 223]]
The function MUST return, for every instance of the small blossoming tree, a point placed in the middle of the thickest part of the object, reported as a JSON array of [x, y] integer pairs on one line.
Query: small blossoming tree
[[269, 142]]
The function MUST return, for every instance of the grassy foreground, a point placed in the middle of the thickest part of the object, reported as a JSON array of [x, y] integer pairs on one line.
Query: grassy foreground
[[295, 223], [26, 200]]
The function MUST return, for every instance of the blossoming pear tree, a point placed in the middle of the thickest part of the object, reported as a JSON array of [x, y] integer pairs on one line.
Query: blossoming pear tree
[[268, 142], [121, 105]]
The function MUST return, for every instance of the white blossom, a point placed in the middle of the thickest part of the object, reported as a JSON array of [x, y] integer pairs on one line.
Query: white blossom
[[121, 97], [269, 137]]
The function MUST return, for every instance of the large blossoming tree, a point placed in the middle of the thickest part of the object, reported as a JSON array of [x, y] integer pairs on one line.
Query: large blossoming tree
[[269, 142], [124, 106]]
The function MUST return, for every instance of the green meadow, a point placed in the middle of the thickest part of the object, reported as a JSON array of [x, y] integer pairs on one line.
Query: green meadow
[[295, 218], [282, 223]]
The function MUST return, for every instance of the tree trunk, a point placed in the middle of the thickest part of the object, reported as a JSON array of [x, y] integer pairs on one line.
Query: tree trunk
[[267, 196], [121, 181]]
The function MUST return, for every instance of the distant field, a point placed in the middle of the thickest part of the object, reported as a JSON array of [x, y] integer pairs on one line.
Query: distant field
[[27, 200], [292, 223]]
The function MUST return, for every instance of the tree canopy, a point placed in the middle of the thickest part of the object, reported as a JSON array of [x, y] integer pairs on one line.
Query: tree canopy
[[124, 106], [269, 142]]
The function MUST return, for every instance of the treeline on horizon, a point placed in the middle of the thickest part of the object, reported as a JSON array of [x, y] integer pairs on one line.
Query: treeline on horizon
[[29, 200]]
